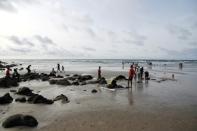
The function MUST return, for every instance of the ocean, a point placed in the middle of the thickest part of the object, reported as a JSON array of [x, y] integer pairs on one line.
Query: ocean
[[46, 65]]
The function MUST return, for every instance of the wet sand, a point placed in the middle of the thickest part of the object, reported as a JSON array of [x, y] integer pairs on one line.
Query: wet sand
[[165, 106]]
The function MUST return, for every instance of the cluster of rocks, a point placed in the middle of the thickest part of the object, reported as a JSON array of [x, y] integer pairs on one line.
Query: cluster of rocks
[[30, 97], [77, 80]]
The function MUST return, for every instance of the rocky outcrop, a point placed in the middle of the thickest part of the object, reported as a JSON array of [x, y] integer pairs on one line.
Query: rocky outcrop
[[24, 91], [94, 91], [59, 81], [20, 120], [102, 81], [38, 99], [6, 99], [7, 82], [120, 77], [30, 76], [61, 97], [21, 99]]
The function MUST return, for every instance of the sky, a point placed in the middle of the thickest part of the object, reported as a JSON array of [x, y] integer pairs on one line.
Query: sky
[[98, 29]]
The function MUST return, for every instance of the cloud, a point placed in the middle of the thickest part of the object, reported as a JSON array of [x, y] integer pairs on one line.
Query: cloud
[[7, 5], [125, 37], [20, 50], [18, 41], [180, 32], [194, 43], [44, 39], [89, 49], [188, 53]]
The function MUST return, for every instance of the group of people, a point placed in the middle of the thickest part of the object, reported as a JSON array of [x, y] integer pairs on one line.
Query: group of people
[[135, 72], [53, 72], [58, 68], [15, 74]]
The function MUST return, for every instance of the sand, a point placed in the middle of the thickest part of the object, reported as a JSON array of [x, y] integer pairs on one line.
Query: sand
[[165, 106]]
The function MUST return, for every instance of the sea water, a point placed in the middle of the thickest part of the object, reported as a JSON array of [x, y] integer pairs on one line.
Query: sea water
[[46, 65]]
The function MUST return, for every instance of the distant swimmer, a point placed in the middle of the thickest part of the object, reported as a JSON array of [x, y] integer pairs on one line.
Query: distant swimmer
[[131, 75], [28, 69], [99, 73]]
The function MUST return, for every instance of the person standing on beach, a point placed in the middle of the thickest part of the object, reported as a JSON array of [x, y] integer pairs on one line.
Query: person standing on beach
[[99, 73], [131, 75], [7, 73], [28, 69], [16, 75], [58, 67], [63, 68], [141, 72]]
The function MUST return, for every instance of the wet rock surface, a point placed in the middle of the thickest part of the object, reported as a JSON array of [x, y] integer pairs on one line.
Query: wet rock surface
[[8, 82], [62, 97], [21, 99], [39, 99], [24, 91], [20, 120], [6, 99], [94, 91]]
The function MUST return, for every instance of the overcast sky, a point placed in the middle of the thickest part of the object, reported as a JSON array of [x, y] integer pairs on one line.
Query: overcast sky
[[164, 29]]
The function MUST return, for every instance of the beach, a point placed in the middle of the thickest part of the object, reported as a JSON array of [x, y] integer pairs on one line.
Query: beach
[[169, 105]]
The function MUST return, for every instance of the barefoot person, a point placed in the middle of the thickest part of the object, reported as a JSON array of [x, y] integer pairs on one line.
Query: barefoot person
[[131, 75], [99, 73]]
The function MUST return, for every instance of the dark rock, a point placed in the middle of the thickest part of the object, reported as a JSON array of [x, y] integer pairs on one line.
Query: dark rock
[[30, 76], [92, 82], [59, 76], [13, 91], [64, 82], [21, 99], [61, 97], [20, 120], [85, 78], [6, 99], [75, 83], [83, 83], [7, 82], [112, 85], [102, 81], [71, 78], [52, 81], [44, 77], [38, 99], [21, 69], [94, 91], [120, 77], [24, 91]]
